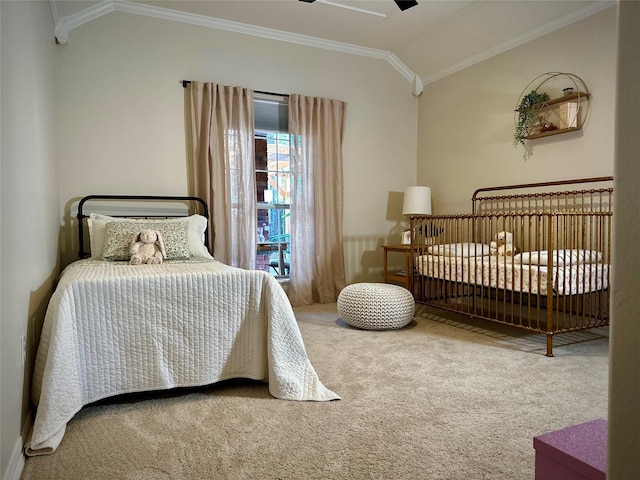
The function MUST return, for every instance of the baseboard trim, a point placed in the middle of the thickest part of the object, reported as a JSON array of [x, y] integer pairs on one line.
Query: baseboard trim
[[16, 464], [18, 458]]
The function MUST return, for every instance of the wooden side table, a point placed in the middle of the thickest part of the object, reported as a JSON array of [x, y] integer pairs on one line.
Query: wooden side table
[[403, 278]]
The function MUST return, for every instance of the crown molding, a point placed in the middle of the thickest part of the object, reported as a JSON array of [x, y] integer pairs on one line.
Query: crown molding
[[522, 39], [65, 24]]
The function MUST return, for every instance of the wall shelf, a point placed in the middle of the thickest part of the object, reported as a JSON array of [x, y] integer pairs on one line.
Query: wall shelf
[[566, 98], [562, 113], [552, 132]]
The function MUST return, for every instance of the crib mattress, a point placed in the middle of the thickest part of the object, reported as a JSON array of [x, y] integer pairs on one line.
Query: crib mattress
[[504, 273]]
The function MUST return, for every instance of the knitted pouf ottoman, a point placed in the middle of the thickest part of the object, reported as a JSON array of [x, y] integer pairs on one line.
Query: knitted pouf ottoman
[[376, 306]]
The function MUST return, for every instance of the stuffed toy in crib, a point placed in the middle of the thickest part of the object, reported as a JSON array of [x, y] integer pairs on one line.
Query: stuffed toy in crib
[[147, 247], [503, 245]]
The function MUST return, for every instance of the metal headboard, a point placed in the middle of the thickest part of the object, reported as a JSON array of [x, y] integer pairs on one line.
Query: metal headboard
[[194, 201]]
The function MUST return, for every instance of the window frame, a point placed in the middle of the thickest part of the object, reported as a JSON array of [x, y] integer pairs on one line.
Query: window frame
[[276, 249]]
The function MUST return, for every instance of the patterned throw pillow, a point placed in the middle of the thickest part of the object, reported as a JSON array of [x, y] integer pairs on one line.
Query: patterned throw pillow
[[97, 224], [119, 235]]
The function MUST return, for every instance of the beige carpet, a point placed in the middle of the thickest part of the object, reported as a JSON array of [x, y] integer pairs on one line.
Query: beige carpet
[[444, 398]]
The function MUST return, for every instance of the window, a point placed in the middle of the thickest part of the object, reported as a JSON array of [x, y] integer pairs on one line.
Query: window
[[273, 185]]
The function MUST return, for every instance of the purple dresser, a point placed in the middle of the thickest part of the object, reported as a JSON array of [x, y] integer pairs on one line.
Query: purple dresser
[[573, 453]]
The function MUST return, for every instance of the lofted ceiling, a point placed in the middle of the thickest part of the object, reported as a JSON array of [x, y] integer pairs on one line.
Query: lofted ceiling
[[426, 42]]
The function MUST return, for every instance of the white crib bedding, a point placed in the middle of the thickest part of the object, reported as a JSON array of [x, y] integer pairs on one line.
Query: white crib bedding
[[504, 273], [112, 328]]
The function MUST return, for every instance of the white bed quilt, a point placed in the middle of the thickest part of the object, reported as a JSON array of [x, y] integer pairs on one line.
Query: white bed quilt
[[114, 328]]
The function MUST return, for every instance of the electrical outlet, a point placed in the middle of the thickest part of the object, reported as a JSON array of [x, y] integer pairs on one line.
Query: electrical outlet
[[23, 342]]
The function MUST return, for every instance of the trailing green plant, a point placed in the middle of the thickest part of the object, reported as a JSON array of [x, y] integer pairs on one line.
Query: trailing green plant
[[528, 110]]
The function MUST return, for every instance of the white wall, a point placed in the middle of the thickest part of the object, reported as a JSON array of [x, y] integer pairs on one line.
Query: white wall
[[624, 386], [466, 120], [29, 202], [121, 116]]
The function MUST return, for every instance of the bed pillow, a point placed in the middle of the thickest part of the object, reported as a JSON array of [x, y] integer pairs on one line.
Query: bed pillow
[[97, 225], [197, 226], [119, 235], [560, 257], [460, 250]]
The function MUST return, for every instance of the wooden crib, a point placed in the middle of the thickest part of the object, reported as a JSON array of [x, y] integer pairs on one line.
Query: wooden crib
[[554, 275]]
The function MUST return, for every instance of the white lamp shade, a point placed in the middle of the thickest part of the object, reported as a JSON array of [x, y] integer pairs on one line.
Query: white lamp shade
[[417, 201]]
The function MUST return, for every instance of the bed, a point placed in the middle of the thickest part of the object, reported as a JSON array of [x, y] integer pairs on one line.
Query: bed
[[113, 328], [555, 277]]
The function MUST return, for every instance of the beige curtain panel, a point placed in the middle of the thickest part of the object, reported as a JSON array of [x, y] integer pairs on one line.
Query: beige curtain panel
[[222, 141], [317, 273], [222, 126]]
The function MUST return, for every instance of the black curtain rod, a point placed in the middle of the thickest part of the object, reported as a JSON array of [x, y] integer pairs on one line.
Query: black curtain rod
[[188, 82]]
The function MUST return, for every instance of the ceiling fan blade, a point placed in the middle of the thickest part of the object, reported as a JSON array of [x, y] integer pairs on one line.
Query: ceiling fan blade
[[403, 4], [345, 6]]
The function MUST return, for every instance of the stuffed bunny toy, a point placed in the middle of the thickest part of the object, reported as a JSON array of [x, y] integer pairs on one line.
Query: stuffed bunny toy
[[147, 247]]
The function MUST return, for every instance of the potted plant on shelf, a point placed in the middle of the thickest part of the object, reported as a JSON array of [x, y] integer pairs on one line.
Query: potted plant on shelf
[[528, 112]]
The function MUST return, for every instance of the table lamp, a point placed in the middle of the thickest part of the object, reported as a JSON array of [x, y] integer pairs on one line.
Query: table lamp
[[417, 201]]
